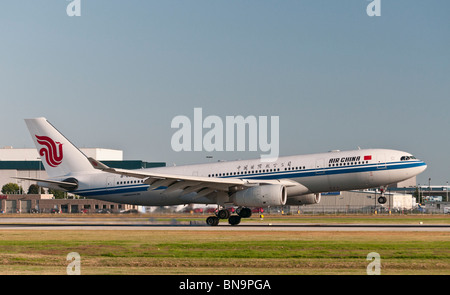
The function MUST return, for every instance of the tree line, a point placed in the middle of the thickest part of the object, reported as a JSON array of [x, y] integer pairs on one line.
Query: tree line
[[14, 189]]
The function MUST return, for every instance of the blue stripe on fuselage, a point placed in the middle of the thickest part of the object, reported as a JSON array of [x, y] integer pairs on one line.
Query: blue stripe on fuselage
[[330, 170]]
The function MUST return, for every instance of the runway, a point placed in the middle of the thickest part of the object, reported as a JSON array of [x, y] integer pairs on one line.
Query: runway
[[174, 225]]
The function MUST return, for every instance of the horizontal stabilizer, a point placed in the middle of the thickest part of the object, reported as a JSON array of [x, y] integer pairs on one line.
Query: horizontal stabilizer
[[63, 184]]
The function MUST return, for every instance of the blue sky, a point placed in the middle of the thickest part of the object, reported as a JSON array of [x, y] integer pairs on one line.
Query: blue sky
[[116, 76]]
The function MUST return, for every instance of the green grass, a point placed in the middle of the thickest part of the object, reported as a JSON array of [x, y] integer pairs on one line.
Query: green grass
[[224, 252], [304, 249], [321, 219]]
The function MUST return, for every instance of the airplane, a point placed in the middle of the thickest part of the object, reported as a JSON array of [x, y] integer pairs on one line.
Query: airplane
[[290, 180]]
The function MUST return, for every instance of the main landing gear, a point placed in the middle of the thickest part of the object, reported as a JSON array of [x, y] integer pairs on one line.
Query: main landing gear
[[242, 212]]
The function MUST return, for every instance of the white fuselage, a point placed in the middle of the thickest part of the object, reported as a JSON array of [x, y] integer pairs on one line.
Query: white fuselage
[[324, 172]]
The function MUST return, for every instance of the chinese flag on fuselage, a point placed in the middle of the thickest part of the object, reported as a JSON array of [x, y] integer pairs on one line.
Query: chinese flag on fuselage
[[367, 158]]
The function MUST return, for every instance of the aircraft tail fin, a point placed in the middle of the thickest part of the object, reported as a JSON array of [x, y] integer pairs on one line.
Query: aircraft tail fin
[[59, 156]]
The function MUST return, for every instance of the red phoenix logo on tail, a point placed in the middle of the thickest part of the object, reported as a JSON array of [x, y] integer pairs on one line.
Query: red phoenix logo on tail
[[53, 153]]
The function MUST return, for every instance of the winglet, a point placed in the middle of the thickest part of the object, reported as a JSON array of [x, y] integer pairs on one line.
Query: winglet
[[97, 164]]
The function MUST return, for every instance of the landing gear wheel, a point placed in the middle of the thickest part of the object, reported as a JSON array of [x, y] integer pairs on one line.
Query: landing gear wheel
[[223, 214], [244, 212], [212, 221], [382, 200], [234, 220]]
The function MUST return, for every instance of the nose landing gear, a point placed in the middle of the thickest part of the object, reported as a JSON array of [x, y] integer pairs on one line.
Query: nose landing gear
[[382, 199]]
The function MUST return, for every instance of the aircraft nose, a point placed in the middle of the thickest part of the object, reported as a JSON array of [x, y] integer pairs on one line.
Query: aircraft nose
[[422, 167]]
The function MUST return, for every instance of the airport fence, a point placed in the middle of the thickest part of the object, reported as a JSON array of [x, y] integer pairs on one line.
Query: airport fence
[[351, 210]]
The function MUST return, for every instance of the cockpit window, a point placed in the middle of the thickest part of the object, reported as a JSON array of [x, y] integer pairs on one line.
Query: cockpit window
[[406, 158]]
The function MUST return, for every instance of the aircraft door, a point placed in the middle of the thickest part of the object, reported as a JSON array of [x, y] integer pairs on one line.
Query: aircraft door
[[110, 181], [381, 161], [319, 166]]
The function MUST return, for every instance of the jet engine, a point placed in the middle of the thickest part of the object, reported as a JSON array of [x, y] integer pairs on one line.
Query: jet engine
[[308, 199], [261, 196]]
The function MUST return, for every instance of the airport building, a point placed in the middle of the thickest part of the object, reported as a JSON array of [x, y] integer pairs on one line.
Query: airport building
[[27, 163], [46, 203], [365, 201]]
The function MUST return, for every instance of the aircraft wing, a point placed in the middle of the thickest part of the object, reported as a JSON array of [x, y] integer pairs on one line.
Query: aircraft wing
[[201, 185]]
